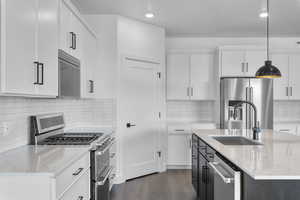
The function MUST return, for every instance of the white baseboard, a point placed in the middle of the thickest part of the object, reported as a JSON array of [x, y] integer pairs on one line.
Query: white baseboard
[[179, 167]]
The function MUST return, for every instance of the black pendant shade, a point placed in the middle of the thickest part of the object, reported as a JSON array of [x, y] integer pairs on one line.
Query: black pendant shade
[[268, 71]]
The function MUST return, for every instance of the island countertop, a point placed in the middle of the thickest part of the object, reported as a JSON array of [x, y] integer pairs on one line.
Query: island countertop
[[47, 160], [278, 158]]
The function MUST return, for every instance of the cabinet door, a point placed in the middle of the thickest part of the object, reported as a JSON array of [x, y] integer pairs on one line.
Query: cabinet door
[[202, 77], [20, 39], [88, 63], [76, 28], [65, 23], [254, 60], [281, 61], [48, 46], [294, 80], [179, 152], [178, 79], [232, 63]]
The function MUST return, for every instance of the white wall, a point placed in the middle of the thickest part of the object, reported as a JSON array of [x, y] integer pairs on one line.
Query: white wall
[[15, 113]]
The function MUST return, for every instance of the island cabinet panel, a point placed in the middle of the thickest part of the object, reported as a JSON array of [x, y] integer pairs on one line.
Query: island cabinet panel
[[270, 189]]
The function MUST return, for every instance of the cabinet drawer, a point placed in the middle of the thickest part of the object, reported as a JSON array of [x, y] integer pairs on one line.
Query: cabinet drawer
[[71, 174], [179, 129], [80, 190]]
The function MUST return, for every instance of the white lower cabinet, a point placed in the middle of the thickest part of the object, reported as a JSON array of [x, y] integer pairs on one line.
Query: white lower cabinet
[[71, 175], [179, 151], [80, 190]]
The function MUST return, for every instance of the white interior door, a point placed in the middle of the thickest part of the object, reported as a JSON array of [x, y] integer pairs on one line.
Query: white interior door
[[138, 100]]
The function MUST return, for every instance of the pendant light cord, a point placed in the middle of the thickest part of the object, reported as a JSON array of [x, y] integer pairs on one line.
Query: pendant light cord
[[268, 24]]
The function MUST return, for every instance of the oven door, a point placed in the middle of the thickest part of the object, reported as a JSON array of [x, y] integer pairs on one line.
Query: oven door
[[226, 181], [100, 188]]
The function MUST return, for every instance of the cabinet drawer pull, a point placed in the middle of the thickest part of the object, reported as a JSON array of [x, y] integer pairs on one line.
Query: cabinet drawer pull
[[72, 40], [75, 41], [192, 91], [37, 65], [291, 91], [179, 130], [243, 67], [188, 91], [287, 91], [78, 171], [42, 68], [80, 198]]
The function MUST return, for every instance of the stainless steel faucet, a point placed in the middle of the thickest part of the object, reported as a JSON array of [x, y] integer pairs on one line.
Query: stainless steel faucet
[[256, 129]]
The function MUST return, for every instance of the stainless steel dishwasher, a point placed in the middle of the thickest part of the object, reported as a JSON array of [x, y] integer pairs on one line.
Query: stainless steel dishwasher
[[227, 180]]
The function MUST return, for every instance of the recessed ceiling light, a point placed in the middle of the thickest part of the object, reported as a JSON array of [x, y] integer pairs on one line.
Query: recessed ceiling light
[[263, 14], [149, 15]]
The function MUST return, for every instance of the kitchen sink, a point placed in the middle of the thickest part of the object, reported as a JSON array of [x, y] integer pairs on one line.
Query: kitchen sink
[[235, 140]]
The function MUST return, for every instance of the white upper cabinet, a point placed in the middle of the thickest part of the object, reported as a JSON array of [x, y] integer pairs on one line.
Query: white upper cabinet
[[178, 77], [17, 66], [294, 80], [29, 49], [70, 31], [232, 63], [254, 59], [190, 76], [239, 61], [202, 76], [47, 47], [88, 63], [288, 86], [281, 85]]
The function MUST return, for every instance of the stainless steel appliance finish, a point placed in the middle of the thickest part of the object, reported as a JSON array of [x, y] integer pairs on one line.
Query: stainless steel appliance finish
[[227, 180], [69, 75], [48, 129], [101, 170], [257, 91]]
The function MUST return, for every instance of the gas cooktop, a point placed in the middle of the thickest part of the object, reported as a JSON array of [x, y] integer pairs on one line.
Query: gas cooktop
[[71, 139]]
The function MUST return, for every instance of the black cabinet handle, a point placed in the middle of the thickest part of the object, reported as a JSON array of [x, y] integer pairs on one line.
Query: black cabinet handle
[[128, 125], [72, 40], [37, 65], [42, 68], [91, 86], [75, 41], [78, 171]]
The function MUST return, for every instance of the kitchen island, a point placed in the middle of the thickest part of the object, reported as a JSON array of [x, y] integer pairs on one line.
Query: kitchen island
[[269, 170]]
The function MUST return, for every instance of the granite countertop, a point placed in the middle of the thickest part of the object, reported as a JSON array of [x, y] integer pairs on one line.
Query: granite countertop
[[277, 159], [40, 160]]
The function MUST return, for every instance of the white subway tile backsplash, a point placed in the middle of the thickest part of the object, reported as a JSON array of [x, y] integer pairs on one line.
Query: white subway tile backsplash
[[194, 111], [15, 112]]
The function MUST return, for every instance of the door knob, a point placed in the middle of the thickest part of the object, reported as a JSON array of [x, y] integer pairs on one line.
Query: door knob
[[128, 125]]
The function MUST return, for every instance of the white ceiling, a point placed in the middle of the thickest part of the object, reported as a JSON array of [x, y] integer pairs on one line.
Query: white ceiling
[[205, 17]]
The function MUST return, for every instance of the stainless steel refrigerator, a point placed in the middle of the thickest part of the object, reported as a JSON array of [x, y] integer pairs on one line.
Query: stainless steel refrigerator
[[257, 91]]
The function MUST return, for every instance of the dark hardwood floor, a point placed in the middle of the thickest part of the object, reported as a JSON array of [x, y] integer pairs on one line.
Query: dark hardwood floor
[[170, 185]]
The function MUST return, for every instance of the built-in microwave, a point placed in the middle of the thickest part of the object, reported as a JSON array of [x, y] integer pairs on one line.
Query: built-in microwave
[[69, 75]]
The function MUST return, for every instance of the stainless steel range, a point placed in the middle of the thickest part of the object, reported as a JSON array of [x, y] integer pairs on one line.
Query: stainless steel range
[[48, 129]]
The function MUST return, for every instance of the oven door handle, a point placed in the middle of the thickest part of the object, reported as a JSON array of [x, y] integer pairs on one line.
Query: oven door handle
[[102, 182], [214, 166], [112, 141]]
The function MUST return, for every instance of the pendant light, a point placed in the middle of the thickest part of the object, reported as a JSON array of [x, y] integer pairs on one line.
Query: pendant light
[[268, 70]]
